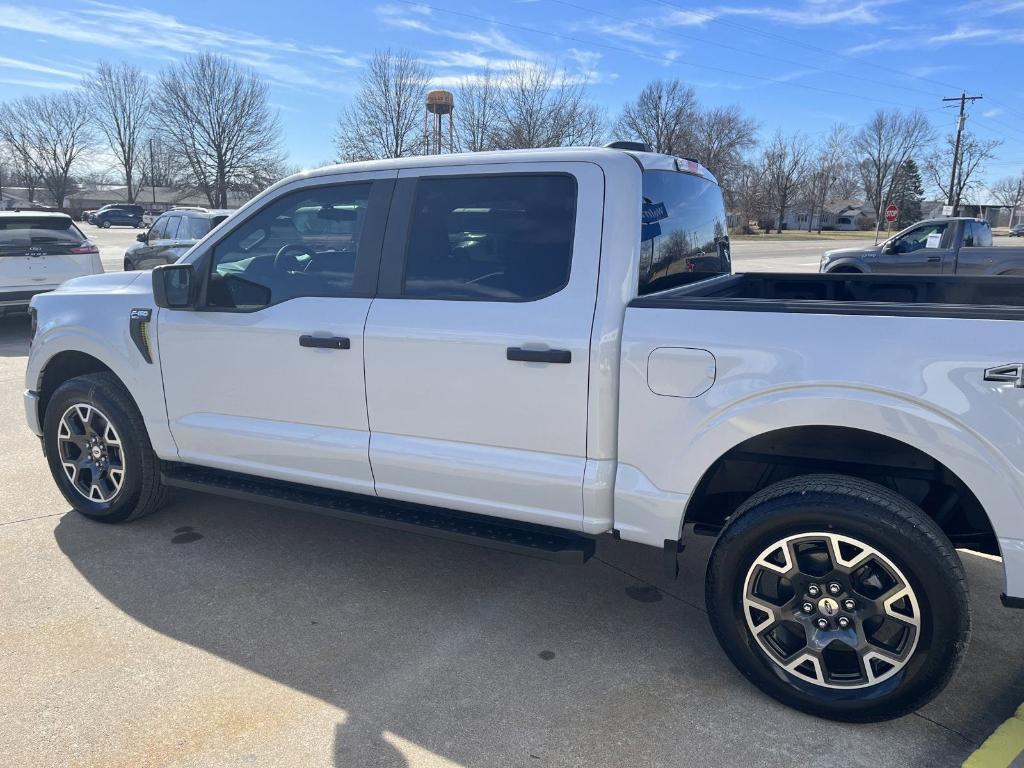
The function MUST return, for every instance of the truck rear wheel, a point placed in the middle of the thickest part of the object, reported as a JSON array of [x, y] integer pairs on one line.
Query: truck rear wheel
[[839, 597], [98, 450]]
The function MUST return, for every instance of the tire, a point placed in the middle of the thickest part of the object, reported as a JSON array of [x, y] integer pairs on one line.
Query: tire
[[105, 225], [128, 266], [808, 527], [99, 490]]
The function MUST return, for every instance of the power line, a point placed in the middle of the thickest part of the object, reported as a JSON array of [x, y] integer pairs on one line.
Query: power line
[[953, 198], [704, 15], [651, 57]]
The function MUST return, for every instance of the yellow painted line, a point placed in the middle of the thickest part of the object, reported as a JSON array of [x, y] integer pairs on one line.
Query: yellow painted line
[[1003, 746]]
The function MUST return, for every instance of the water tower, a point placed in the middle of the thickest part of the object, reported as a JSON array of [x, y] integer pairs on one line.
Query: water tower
[[439, 104]]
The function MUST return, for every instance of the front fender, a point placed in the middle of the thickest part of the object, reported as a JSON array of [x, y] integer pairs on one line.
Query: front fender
[[98, 326]]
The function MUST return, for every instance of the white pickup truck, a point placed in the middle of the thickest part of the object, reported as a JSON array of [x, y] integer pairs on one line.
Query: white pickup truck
[[528, 350]]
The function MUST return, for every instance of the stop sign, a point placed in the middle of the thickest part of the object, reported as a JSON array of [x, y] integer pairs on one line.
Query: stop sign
[[891, 213]]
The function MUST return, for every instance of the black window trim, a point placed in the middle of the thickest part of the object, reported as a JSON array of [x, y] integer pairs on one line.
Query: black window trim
[[399, 231], [364, 279]]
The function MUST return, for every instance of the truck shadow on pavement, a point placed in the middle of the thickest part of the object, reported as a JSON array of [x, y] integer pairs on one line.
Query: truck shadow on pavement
[[444, 651]]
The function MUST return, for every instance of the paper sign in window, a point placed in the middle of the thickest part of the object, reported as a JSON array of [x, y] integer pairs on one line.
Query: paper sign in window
[[933, 240]]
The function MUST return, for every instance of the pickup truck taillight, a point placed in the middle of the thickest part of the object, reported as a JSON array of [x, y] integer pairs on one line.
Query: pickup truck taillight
[[33, 326], [85, 248]]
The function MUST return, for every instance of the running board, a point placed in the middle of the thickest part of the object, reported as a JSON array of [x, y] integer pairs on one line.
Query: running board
[[495, 533]]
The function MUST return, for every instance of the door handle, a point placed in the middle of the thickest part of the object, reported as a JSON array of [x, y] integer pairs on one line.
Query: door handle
[[934, 258], [324, 342], [538, 355]]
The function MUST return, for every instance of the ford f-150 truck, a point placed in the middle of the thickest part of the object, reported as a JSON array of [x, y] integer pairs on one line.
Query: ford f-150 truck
[[529, 350], [960, 246]]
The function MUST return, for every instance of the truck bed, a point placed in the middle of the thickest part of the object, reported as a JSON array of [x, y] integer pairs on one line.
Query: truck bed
[[994, 298]]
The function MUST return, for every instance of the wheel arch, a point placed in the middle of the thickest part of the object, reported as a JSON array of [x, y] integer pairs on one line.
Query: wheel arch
[[778, 454], [63, 366]]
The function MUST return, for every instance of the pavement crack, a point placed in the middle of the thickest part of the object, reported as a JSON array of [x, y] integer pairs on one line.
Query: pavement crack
[[944, 727], [683, 600], [37, 517]]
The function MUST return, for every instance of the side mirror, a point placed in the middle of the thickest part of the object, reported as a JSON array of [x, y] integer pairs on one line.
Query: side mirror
[[888, 249], [174, 286], [142, 237]]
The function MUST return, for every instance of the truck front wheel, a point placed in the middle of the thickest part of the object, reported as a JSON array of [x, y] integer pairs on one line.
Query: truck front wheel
[[98, 450], [839, 597]]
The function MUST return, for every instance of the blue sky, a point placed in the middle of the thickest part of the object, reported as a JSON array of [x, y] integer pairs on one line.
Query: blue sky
[[800, 65]]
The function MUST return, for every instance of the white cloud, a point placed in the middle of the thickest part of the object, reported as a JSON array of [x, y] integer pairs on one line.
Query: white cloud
[[28, 66], [996, 112]]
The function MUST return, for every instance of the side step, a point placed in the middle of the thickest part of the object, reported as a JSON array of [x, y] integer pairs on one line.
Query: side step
[[482, 530]]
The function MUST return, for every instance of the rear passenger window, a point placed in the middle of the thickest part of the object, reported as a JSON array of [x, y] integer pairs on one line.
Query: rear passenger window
[[977, 234], [302, 244], [491, 238]]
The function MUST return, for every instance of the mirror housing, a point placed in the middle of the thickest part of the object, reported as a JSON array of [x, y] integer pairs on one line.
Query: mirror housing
[[174, 286], [142, 237], [888, 249]]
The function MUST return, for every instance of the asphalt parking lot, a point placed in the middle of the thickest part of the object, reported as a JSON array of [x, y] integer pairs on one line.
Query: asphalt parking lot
[[218, 633]]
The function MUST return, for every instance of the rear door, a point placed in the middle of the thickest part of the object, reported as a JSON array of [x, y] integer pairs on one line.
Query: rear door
[[976, 255], [477, 347]]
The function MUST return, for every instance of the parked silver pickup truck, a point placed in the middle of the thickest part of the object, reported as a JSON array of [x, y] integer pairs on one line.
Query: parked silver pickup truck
[[961, 246]]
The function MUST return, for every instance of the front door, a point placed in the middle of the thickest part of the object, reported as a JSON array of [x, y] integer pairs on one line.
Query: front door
[[925, 249], [267, 376], [477, 347]]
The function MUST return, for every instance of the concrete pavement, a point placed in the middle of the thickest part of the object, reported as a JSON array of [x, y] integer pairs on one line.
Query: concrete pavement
[[219, 633]]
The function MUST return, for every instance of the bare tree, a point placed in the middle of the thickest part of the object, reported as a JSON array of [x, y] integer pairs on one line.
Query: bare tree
[[216, 113], [784, 161], [48, 134], [974, 153], [386, 117], [883, 145], [720, 137], [747, 195], [476, 102], [545, 107], [1009, 192], [823, 171], [120, 98], [664, 117]]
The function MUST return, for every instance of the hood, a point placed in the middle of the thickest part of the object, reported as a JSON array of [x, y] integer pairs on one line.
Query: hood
[[110, 282], [855, 253]]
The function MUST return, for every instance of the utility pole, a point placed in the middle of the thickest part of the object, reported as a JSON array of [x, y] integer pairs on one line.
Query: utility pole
[[953, 198], [152, 172]]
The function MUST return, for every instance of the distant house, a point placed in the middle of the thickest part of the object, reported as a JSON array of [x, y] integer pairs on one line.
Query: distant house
[[843, 215]]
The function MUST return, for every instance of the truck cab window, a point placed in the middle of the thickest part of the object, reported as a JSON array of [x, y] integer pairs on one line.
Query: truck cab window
[[683, 233], [491, 238], [302, 244]]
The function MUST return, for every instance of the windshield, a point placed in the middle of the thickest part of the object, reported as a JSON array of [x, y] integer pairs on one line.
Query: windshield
[[23, 231], [683, 234]]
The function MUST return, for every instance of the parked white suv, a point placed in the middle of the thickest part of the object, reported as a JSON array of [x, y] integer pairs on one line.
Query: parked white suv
[[39, 251], [528, 350]]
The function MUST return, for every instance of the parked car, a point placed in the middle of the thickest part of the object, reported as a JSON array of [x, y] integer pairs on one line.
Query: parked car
[[1017, 230], [85, 215], [127, 215], [950, 246], [38, 252], [529, 350], [170, 236], [149, 216]]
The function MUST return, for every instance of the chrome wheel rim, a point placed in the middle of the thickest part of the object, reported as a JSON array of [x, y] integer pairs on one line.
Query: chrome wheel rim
[[90, 452], [831, 611]]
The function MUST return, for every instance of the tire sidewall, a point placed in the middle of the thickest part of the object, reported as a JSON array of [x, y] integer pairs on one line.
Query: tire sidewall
[[83, 391], [944, 615]]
